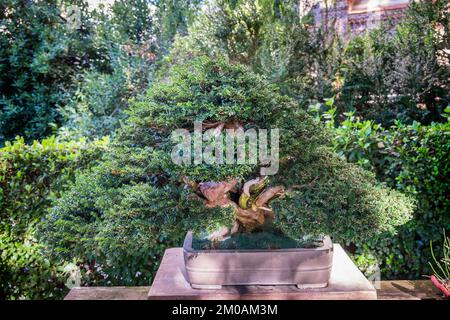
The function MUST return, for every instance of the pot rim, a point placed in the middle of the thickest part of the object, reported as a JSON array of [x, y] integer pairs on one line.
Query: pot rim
[[187, 247]]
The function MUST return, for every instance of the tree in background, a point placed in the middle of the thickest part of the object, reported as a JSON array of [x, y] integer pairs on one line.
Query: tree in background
[[125, 30], [404, 75], [380, 74], [132, 19], [40, 54], [173, 18], [271, 37], [79, 75], [421, 76]]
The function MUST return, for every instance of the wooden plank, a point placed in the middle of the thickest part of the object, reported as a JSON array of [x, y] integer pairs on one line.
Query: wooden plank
[[346, 282], [408, 290], [389, 290], [108, 293]]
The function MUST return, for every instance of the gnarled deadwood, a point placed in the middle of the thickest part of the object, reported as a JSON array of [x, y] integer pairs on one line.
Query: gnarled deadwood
[[252, 209], [216, 193], [218, 126], [250, 187], [250, 219], [268, 195], [219, 234]]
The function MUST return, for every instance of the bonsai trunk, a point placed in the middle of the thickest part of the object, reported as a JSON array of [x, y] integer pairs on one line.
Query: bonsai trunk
[[252, 209]]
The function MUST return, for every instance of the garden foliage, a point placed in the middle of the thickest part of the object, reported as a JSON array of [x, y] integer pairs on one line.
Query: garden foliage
[[31, 178], [380, 158], [77, 72], [40, 53], [414, 160], [382, 75]]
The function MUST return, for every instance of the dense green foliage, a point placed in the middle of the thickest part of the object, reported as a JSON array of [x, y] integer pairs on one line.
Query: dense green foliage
[[173, 18], [124, 212], [74, 70], [39, 54], [404, 76], [379, 74], [96, 106], [412, 159], [31, 177]]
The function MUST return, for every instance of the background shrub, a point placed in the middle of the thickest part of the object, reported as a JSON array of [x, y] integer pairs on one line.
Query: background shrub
[[414, 160], [31, 177], [379, 74], [97, 106], [39, 55], [52, 71], [402, 75]]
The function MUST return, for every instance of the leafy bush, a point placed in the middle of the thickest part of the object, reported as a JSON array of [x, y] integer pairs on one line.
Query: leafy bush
[[39, 54], [31, 177], [54, 71], [381, 75], [120, 215], [414, 160], [132, 19], [403, 76], [97, 105], [272, 39], [173, 18]]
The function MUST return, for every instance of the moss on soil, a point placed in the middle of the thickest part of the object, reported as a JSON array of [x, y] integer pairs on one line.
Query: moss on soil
[[258, 240]]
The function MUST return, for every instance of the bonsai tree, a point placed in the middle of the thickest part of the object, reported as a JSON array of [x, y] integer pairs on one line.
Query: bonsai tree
[[123, 213]]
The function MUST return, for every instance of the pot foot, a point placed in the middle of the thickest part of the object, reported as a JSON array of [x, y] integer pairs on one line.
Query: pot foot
[[206, 286], [311, 285]]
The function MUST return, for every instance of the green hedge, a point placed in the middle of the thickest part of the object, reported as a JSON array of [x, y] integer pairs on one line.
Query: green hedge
[[415, 160], [31, 177]]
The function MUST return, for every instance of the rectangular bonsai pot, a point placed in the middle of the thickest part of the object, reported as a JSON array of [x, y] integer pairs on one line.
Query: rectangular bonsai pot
[[304, 267]]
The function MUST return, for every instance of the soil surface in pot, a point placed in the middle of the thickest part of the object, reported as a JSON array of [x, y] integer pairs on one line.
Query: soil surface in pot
[[266, 240]]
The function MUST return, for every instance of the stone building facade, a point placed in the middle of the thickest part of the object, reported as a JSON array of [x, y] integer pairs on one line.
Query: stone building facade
[[354, 16]]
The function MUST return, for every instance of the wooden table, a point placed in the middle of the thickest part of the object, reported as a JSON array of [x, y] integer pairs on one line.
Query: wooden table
[[388, 290]]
